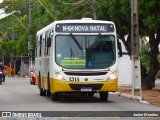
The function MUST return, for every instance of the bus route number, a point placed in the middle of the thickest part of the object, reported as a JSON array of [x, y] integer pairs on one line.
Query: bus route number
[[74, 79]]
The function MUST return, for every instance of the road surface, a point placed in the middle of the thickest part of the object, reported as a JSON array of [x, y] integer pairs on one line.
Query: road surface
[[17, 94]]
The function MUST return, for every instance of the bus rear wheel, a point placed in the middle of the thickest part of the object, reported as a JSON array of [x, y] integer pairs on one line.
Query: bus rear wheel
[[103, 96], [42, 92], [55, 96], [48, 93]]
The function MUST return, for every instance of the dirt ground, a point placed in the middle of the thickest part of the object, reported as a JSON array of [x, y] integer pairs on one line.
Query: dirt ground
[[151, 96]]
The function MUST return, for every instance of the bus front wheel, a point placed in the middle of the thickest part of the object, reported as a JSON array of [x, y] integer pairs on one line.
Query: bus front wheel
[[103, 96], [55, 96]]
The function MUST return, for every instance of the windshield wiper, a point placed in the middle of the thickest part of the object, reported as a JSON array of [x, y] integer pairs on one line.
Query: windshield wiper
[[77, 43], [71, 52], [99, 34]]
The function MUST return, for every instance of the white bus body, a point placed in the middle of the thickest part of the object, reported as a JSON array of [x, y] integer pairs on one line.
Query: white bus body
[[77, 56]]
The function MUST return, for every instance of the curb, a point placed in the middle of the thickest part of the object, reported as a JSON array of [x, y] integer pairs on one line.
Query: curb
[[138, 98]]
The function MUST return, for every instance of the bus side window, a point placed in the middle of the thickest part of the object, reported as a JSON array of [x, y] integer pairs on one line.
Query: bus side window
[[48, 43], [49, 40], [36, 47], [45, 46], [40, 45]]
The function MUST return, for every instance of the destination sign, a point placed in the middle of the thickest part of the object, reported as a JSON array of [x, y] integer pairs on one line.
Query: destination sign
[[83, 28]]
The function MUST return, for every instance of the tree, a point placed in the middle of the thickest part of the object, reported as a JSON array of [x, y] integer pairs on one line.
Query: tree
[[149, 17], [118, 11]]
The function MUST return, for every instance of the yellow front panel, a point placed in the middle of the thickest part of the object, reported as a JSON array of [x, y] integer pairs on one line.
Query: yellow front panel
[[59, 86]]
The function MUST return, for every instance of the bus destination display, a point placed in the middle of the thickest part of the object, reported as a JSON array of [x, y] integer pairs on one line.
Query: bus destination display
[[80, 28]]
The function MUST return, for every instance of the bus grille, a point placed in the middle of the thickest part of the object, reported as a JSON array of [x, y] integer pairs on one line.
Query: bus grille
[[79, 86], [86, 73]]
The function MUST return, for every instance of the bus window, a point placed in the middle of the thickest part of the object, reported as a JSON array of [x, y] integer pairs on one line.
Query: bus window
[[48, 47], [101, 52], [45, 46], [36, 47], [40, 49]]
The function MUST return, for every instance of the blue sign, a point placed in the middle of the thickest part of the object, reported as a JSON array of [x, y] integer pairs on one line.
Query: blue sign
[[90, 64]]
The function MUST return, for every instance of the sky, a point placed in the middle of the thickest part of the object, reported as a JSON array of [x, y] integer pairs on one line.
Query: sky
[[1, 1]]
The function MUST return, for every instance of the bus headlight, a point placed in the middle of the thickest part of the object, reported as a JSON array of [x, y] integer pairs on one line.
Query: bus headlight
[[60, 77], [113, 76]]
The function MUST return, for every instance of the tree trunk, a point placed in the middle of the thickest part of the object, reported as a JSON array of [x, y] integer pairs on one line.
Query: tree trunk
[[148, 81]]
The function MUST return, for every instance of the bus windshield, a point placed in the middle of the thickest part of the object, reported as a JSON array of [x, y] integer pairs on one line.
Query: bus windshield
[[85, 51]]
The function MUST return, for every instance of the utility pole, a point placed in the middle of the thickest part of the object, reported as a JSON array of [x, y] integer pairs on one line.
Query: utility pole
[[29, 37], [94, 9], [135, 55], [29, 26]]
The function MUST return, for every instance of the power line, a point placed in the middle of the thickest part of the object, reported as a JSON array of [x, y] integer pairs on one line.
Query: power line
[[88, 8], [70, 3], [5, 35], [74, 8], [46, 9]]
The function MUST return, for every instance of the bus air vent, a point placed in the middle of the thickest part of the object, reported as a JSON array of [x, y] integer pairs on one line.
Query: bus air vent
[[85, 73]]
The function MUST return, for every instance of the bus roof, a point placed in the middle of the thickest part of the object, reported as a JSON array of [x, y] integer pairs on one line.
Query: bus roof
[[83, 20]]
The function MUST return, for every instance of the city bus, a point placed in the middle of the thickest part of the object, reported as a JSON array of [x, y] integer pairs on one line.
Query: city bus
[[77, 57]]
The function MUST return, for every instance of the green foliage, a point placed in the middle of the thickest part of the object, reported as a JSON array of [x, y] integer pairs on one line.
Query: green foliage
[[150, 14], [9, 46], [22, 45], [145, 49]]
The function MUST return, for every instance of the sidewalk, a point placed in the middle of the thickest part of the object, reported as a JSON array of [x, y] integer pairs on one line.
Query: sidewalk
[[148, 96]]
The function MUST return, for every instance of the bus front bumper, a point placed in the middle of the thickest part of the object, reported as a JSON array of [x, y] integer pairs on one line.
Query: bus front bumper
[[61, 86]]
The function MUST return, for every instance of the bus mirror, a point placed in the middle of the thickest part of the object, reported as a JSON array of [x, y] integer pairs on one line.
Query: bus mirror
[[120, 49], [49, 42], [51, 34]]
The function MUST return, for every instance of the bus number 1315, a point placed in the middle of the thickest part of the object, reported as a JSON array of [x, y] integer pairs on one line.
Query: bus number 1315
[[74, 79]]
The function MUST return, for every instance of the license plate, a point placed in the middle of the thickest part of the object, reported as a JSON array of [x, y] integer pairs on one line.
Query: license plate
[[86, 89]]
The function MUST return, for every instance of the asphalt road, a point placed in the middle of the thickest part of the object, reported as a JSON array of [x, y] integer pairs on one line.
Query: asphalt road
[[17, 94]]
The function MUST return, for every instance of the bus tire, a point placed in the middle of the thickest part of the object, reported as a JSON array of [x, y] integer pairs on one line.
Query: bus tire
[[55, 96], [48, 91], [42, 92], [103, 96]]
